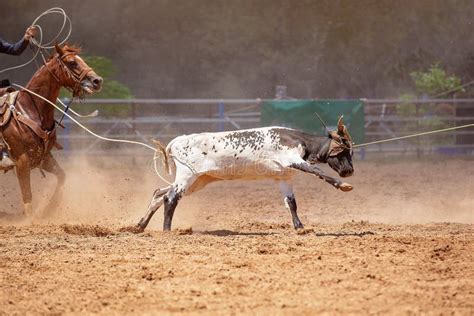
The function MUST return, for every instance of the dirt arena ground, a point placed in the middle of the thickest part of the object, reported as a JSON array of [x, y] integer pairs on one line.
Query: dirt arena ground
[[402, 242]]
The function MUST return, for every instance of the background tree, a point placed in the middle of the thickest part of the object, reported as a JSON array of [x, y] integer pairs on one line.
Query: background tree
[[222, 48]]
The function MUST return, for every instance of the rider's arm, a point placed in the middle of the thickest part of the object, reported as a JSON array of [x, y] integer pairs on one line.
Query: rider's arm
[[18, 48], [13, 49]]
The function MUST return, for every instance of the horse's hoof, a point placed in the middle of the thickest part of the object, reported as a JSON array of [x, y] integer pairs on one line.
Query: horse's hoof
[[345, 187], [28, 209]]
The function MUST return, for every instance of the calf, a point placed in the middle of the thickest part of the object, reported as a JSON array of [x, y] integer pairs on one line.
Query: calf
[[260, 153]]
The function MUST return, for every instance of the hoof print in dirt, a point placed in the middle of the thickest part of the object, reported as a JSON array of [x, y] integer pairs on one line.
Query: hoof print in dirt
[[87, 230], [305, 231], [184, 231], [131, 229]]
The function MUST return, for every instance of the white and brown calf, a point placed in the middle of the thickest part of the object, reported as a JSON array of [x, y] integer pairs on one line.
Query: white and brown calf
[[261, 153]]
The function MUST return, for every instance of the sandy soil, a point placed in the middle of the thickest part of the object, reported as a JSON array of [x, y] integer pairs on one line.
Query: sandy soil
[[401, 242]]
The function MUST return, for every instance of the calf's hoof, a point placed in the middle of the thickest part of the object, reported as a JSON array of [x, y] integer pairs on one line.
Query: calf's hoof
[[142, 224], [298, 225], [345, 187]]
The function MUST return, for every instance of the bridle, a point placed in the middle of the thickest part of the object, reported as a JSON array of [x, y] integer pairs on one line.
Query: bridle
[[70, 74]]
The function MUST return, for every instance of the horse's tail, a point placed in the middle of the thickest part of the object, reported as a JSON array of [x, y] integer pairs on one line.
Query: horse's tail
[[164, 153]]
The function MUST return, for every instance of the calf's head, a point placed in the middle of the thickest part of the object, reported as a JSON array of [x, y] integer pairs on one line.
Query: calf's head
[[339, 156]]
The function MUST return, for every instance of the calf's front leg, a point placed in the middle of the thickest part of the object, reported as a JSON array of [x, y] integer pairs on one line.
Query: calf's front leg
[[338, 184]]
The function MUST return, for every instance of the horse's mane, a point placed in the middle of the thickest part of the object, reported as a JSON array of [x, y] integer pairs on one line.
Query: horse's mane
[[73, 48], [68, 48]]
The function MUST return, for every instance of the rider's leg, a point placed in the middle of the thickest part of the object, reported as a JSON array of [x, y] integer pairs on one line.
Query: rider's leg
[[5, 162]]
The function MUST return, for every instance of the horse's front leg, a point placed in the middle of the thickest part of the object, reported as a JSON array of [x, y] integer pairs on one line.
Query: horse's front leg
[[23, 172], [51, 165]]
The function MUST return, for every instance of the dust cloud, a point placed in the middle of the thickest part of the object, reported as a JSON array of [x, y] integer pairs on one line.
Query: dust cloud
[[113, 191]]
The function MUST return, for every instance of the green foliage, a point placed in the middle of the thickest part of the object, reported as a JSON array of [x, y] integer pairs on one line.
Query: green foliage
[[434, 81], [111, 89], [228, 49], [101, 65], [431, 82], [406, 108]]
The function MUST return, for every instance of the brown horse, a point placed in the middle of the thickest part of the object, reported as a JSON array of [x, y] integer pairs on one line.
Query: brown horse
[[30, 133]]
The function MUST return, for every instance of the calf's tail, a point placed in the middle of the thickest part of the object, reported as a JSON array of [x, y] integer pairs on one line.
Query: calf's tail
[[162, 150]]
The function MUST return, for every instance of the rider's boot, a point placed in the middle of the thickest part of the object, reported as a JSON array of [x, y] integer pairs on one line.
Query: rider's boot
[[5, 161]]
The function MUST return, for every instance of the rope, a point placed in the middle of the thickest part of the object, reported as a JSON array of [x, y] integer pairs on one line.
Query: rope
[[29, 61], [39, 44], [66, 19], [414, 135], [91, 132]]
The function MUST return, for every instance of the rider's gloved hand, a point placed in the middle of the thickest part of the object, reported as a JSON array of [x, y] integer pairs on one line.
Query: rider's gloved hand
[[32, 31]]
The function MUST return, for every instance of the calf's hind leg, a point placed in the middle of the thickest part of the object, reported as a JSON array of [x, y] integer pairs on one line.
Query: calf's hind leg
[[286, 189], [171, 199], [155, 203]]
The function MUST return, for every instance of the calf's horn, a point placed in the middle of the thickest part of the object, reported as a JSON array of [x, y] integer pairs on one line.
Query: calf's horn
[[322, 122], [340, 124]]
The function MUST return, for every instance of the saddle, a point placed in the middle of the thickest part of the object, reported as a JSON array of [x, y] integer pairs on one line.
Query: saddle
[[5, 90], [8, 111], [7, 102]]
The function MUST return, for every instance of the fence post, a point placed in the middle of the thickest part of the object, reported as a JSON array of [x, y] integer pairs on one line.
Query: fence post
[[221, 110], [280, 92]]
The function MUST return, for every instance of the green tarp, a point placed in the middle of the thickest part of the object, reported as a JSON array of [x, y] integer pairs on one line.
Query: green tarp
[[299, 114]]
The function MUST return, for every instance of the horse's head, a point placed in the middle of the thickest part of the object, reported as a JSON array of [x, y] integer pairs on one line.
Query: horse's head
[[72, 72]]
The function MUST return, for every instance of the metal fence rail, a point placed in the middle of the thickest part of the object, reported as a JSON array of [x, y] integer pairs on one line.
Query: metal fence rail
[[391, 118], [145, 119]]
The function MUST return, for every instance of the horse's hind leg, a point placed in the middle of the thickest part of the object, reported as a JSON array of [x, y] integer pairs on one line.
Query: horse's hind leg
[[23, 174], [51, 165], [155, 203]]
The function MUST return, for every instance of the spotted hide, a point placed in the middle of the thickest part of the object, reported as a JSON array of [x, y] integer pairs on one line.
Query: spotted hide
[[261, 153]]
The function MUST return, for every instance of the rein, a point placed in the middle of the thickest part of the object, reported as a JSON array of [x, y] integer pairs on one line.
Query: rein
[[75, 77]]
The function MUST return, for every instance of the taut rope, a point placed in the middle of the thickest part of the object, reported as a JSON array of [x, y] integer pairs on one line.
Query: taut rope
[[415, 135]]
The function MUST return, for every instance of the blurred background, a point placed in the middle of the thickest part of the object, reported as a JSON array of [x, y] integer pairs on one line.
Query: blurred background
[[398, 67]]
